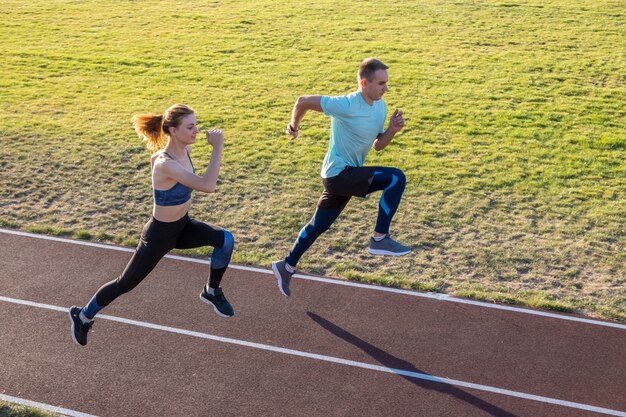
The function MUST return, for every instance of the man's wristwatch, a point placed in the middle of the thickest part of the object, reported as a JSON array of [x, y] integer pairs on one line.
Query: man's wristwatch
[[291, 129]]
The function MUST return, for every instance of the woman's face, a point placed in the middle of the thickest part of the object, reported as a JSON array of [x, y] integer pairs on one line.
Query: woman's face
[[187, 130]]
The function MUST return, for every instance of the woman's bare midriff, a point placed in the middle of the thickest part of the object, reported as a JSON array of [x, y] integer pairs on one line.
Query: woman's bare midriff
[[170, 213]]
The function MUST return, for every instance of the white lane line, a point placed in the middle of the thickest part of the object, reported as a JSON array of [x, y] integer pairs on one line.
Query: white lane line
[[332, 359], [433, 296], [41, 406]]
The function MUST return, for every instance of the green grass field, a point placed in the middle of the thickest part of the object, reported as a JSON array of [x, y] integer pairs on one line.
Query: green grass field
[[514, 146], [14, 410]]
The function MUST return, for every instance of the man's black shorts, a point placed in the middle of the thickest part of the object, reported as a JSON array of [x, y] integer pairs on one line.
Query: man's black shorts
[[351, 182]]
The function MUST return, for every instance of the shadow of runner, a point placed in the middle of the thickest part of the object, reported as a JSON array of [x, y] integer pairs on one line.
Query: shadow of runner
[[391, 361]]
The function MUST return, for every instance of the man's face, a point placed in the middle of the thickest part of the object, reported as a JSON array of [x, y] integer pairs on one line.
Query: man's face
[[376, 88]]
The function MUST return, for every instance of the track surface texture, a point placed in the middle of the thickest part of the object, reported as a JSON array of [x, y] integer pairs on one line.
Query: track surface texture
[[328, 350]]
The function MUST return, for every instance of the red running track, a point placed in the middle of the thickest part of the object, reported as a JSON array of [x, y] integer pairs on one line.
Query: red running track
[[329, 350]]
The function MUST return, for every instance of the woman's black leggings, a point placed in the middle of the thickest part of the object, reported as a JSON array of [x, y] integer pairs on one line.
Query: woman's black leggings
[[157, 239]]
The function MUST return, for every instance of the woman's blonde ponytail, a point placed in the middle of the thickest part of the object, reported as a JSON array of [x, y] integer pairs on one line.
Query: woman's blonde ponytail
[[149, 128]]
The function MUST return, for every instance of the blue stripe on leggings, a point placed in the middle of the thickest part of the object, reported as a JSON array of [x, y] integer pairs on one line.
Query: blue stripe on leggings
[[92, 308], [221, 256], [384, 205]]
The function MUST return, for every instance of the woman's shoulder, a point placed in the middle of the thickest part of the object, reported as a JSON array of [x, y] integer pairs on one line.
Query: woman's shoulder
[[158, 158], [157, 155]]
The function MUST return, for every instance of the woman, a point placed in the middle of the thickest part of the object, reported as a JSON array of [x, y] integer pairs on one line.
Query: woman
[[173, 180]]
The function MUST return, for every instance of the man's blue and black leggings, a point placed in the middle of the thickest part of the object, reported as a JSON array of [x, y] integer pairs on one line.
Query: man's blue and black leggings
[[351, 182]]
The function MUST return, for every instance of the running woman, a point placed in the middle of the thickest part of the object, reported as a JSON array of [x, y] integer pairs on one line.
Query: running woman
[[173, 180], [357, 123]]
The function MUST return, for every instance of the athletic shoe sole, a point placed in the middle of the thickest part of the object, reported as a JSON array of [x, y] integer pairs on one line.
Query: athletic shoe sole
[[389, 253], [69, 313], [204, 300], [278, 278]]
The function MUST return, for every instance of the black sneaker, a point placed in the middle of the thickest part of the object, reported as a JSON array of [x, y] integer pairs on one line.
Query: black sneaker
[[282, 276], [220, 304], [79, 329]]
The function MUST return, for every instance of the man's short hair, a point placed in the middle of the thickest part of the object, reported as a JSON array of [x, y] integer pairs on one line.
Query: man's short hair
[[368, 68]]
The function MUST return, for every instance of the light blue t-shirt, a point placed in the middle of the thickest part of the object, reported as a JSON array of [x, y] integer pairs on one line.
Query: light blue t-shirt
[[354, 125]]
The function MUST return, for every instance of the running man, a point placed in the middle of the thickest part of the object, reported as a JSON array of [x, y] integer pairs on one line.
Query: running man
[[357, 124], [173, 180]]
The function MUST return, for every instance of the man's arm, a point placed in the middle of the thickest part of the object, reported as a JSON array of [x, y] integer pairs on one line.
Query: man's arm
[[395, 124], [303, 104]]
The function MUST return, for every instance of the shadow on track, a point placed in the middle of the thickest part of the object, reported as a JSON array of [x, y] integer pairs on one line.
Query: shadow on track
[[391, 361]]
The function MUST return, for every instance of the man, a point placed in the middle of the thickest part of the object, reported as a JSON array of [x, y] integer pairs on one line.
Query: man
[[357, 124]]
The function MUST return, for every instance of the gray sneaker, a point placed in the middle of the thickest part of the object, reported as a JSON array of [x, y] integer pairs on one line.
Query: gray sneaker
[[388, 246], [282, 276]]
